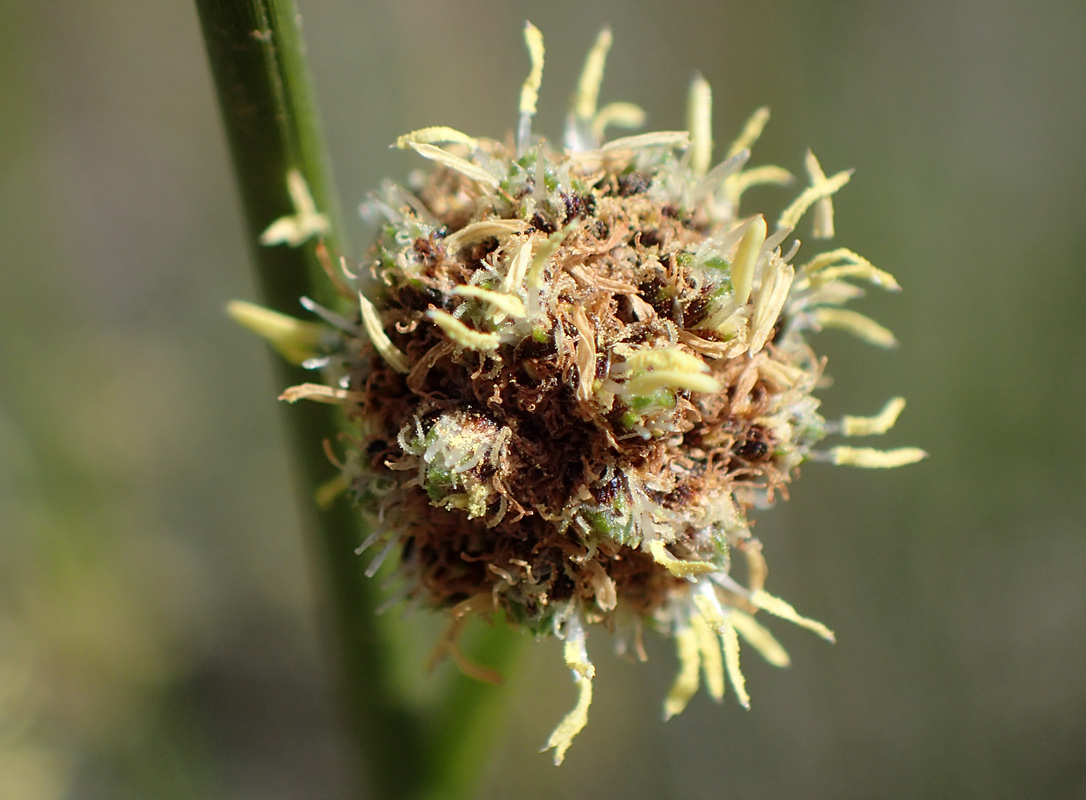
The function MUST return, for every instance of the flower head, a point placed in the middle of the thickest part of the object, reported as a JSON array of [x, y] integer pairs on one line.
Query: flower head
[[572, 372]]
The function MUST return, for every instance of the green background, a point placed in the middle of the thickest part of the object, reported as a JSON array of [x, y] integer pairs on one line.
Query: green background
[[157, 626]]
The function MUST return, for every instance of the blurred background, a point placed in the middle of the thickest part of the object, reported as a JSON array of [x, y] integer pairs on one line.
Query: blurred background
[[157, 624]]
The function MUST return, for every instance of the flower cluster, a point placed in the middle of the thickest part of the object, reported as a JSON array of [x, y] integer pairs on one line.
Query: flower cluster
[[572, 372]]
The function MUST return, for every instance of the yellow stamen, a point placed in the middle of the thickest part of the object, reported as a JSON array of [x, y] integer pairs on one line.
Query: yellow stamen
[[760, 639], [506, 304], [321, 394], [381, 343], [529, 92], [712, 666], [583, 672], [664, 358], [438, 134], [518, 267], [855, 323], [455, 163], [876, 425], [688, 647], [751, 131], [650, 382], [482, 230], [293, 339], [746, 257], [823, 213], [735, 185], [779, 608], [822, 268], [771, 297], [585, 354], [676, 566], [588, 88], [730, 642], [646, 140], [545, 250], [791, 215], [870, 458], [304, 223], [699, 120], [625, 115], [461, 333]]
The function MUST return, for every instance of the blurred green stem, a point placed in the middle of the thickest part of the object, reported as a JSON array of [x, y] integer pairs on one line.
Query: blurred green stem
[[257, 63]]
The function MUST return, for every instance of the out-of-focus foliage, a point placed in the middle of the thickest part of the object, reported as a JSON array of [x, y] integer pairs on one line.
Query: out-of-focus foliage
[[156, 615]]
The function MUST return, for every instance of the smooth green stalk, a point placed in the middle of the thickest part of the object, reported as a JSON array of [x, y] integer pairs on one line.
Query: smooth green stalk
[[255, 52], [271, 124]]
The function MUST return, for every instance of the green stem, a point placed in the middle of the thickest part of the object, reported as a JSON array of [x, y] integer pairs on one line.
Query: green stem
[[468, 718], [255, 52]]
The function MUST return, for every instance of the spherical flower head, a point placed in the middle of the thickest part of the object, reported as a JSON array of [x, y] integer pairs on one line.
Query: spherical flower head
[[572, 372]]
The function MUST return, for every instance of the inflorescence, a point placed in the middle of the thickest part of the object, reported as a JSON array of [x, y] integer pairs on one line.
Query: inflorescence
[[570, 373]]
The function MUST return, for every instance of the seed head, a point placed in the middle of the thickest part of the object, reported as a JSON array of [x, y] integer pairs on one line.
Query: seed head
[[571, 373]]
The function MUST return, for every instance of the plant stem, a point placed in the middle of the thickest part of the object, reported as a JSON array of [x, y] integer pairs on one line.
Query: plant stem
[[255, 52]]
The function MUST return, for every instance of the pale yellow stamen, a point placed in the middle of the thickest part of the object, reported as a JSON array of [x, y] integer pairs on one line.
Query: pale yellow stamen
[[688, 648], [321, 394], [751, 131], [455, 163], [624, 115], [823, 213], [791, 215], [876, 425], [784, 375], [760, 639], [381, 343], [437, 134], [506, 304], [706, 602], [583, 672], [771, 296], [662, 358], [780, 608], [735, 185], [855, 323], [746, 257], [699, 120], [482, 230], [670, 367], [603, 586], [545, 250], [529, 92], [461, 333], [293, 339], [870, 458], [712, 666], [518, 268], [757, 569], [650, 382], [730, 641], [823, 267], [585, 354], [676, 139], [676, 566], [304, 223], [588, 88]]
